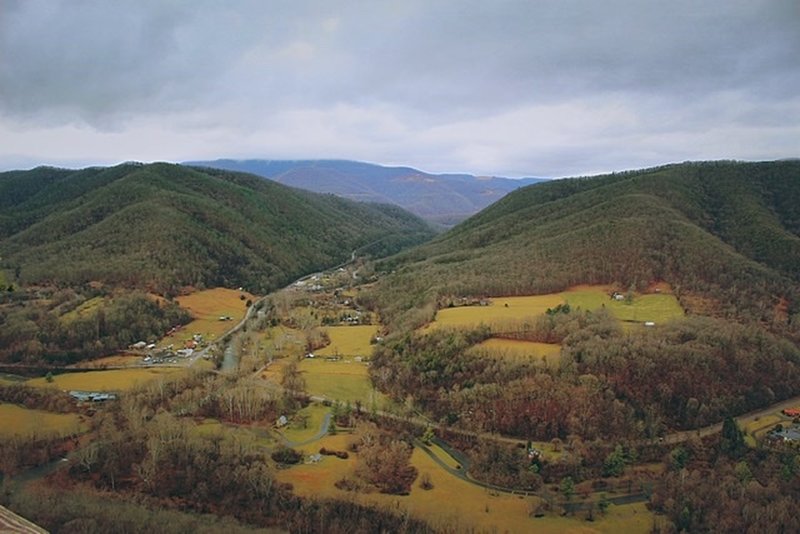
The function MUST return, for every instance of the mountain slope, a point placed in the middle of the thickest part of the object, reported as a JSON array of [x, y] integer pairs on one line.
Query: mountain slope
[[441, 198], [728, 232], [162, 226]]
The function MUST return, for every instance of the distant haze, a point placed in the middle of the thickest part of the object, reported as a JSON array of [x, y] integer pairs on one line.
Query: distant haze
[[513, 88], [444, 199]]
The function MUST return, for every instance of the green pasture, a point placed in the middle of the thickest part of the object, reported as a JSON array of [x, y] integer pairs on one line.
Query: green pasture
[[349, 341], [341, 380]]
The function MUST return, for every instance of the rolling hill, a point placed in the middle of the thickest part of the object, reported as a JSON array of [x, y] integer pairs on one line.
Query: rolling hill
[[441, 198], [726, 235], [162, 226]]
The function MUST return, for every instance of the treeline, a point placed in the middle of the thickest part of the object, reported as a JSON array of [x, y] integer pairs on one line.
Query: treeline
[[49, 400], [683, 375], [689, 373], [40, 331], [714, 489]]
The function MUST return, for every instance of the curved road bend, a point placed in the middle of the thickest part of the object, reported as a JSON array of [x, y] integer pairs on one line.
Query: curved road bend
[[463, 474]]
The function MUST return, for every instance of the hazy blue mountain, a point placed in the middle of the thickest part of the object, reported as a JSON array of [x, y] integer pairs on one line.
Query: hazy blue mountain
[[445, 199]]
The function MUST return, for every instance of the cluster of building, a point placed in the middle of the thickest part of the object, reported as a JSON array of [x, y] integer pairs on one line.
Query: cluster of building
[[169, 354]]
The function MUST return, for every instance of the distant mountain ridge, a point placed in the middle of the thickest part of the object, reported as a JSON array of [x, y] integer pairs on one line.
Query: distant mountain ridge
[[162, 226], [445, 199]]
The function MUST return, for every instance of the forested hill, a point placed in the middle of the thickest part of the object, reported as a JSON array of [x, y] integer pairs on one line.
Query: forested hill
[[725, 234], [441, 198], [162, 226]]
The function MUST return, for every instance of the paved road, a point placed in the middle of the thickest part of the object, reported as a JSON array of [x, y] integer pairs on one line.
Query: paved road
[[323, 429]]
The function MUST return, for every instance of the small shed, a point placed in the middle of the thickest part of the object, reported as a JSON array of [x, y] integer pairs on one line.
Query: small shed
[[282, 421]]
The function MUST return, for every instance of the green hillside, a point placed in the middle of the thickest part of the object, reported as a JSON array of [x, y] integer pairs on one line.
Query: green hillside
[[162, 226], [724, 236], [726, 232]]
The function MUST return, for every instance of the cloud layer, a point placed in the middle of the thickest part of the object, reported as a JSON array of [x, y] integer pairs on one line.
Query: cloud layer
[[511, 87]]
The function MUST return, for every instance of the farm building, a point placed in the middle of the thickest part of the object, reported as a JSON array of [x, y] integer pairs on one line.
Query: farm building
[[792, 412], [281, 422]]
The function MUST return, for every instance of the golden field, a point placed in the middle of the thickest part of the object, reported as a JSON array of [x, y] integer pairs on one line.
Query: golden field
[[453, 502], [655, 307], [349, 341], [15, 420], [111, 380], [207, 307]]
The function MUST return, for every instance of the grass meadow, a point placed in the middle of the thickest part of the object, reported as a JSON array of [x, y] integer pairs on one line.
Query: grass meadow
[[15, 420], [349, 341], [111, 380], [342, 380], [655, 307]]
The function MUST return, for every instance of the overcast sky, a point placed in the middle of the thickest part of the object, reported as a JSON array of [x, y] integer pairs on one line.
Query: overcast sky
[[528, 88]]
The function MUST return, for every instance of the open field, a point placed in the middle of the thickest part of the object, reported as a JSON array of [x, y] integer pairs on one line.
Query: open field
[[349, 340], [499, 310], [342, 380], [112, 380], [521, 350], [452, 501], [15, 420], [656, 307], [207, 307]]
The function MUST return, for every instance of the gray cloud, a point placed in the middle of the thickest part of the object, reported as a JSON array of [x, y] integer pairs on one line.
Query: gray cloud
[[518, 87]]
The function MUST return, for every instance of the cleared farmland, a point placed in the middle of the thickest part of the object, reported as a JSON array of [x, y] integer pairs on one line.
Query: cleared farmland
[[15, 420], [112, 380], [342, 380], [207, 307], [349, 340], [655, 307]]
